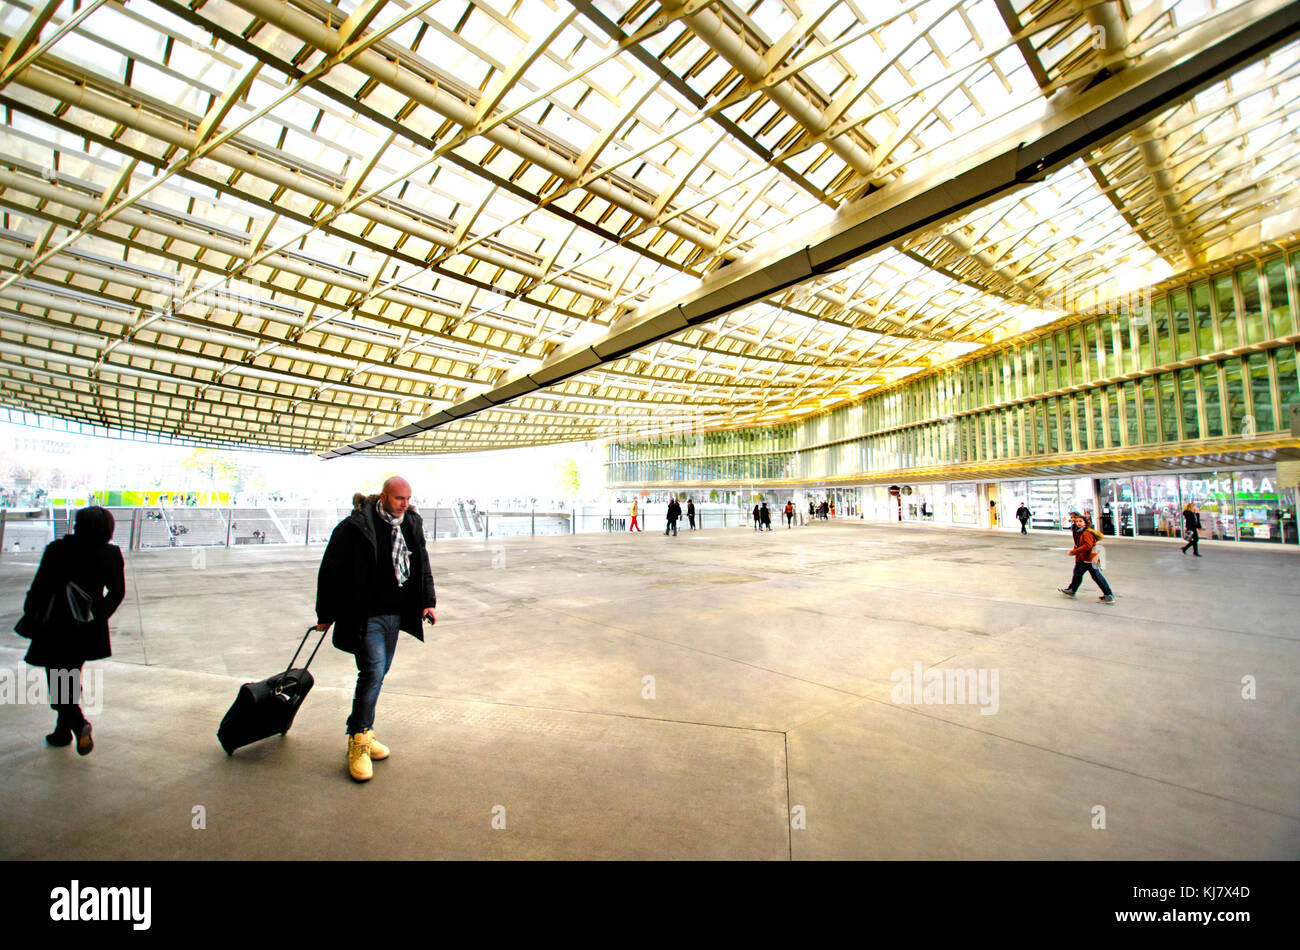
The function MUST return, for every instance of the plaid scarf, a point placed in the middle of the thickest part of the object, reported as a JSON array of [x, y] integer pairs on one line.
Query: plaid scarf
[[401, 554]]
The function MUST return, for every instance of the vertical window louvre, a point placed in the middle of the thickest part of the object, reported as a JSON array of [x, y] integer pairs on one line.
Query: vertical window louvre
[[1203, 320], [1261, 393], [1182, 324], [1213, 403], [1279, 306], [1226, 303], [1123, 336], [1234, 396], [1160, 331], [1252, 308], [1112, 416], [1131, 414], [1168, 408], [1150, 429]]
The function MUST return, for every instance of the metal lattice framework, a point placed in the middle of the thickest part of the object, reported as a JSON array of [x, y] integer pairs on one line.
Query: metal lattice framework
[[451, 225]]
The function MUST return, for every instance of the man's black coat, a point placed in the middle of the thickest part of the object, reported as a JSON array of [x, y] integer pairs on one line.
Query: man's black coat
[[347, 573]]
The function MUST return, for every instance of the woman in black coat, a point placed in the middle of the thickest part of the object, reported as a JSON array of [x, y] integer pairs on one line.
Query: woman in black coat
[[87, 558], [1191, 529]]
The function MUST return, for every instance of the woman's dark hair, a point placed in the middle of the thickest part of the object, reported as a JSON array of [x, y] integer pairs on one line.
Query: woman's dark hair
[[93, 525]]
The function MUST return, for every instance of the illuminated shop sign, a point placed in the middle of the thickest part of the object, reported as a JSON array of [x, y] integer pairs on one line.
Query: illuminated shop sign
[[1223, 486]]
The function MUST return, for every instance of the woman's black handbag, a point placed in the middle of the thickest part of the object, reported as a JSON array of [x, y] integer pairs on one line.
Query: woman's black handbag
[[66, 608]]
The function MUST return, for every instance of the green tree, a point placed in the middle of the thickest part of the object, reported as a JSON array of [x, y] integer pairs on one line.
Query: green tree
[[566, 477], [218, 469]]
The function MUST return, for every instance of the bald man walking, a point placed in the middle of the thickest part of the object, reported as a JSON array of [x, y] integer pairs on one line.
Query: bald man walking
[[374, 582]]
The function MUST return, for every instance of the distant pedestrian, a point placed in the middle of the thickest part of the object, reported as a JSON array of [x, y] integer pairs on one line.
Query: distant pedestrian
[[1085, 554], [690, 512], [832, 509], [1191, 528], [755, 513], [1022, 515], [789, 514], [812, 510], [765, 517], [674, 513], [634, 526]]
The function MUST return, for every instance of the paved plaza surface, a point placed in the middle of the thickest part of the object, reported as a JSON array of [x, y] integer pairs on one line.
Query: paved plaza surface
[[642, 697]]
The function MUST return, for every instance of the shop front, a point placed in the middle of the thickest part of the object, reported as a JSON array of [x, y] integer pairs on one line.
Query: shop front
[[1246, 505]]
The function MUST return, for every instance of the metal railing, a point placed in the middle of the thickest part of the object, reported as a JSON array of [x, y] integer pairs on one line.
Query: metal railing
[[142, 529]]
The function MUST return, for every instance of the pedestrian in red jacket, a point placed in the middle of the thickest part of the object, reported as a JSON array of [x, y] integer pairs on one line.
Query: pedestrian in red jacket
[[1084, 553]]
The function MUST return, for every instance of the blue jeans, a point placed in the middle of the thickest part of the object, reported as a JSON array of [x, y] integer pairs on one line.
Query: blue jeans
[[374, 657], [1081, 568]]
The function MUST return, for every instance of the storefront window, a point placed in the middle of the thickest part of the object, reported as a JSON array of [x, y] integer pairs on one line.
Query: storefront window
[[1211, 492], [1076, 495], [965, 504], [1155, 506], [1116, 507], [1012, 495], [1044, 504], [930, 502], [1264, 512]]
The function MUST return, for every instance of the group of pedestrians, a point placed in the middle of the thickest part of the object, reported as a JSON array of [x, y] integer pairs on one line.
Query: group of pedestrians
[[674, 515], [375, 582], [823, 511]]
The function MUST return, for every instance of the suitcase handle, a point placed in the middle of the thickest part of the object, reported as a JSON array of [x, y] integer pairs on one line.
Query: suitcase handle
[[304, 643]]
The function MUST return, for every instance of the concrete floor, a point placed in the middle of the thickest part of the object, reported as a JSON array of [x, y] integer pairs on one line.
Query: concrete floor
[[771, 659]]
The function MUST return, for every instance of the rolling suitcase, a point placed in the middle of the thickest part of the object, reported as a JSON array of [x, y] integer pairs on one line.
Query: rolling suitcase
[[262, 709]]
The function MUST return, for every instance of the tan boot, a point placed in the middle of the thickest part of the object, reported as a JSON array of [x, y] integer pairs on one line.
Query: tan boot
[[359, 766], [378, 751]]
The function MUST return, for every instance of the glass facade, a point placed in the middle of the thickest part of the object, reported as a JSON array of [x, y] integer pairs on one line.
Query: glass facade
[[1246, 505], [1050, 395]]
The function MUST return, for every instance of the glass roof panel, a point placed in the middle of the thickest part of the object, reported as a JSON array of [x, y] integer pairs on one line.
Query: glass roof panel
[[486, 188]]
